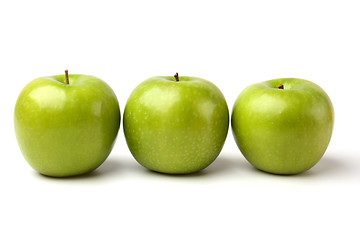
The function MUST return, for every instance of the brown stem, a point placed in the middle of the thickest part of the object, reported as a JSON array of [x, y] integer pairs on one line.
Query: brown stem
[[176, 76], [281, 86], [67, 76]]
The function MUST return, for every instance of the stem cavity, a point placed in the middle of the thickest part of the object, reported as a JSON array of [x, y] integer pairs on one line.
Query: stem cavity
[[281, 86]]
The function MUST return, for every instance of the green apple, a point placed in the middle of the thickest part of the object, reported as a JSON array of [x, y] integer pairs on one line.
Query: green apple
[[283, 126], [66, 125], [176, 125]]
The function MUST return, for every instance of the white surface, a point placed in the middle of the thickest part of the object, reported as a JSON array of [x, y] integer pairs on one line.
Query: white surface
[[231, 43]]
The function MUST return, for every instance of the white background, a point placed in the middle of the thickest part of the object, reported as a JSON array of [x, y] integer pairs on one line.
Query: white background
[[231, 43]]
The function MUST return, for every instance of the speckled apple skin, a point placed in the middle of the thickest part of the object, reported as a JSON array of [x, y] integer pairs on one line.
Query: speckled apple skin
[[283, 131], [176, 127], [66, 130]]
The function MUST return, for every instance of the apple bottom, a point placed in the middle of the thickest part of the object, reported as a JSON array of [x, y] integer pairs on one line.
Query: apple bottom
[[175, 149]]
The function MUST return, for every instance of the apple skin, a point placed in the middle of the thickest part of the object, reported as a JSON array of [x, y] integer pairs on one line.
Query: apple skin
[[66, 129], [283, 131], [176, 127]]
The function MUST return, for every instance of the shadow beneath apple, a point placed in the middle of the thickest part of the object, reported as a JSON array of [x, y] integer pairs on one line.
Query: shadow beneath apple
[[110, 167], [226, 164], [328, 165], [221, 165]]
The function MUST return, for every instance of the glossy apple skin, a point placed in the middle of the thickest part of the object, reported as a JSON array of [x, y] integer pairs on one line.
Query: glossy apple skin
[[283, 131], [66, 130], [176, 127]]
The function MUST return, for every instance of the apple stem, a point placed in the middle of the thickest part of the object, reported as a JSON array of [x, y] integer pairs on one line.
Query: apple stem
[[281, 86], [176, 76], [67, 76]]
